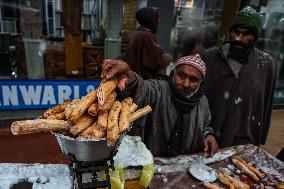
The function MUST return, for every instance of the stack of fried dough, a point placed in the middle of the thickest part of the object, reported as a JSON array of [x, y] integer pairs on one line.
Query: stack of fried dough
[[228, 181], [96, 115]]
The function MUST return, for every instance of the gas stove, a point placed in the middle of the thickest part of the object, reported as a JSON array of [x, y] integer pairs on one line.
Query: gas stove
[[89, 174]]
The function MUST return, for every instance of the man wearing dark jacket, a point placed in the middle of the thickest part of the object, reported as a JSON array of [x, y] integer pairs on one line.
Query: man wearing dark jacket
[[240, 83], [181, 121]]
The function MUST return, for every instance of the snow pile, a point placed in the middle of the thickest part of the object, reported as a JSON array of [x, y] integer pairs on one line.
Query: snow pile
[[43, 176], [132, 152]]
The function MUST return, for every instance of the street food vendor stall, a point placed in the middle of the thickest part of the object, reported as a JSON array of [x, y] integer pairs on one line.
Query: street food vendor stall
[[171, 172], [82, 142], [90, 132]]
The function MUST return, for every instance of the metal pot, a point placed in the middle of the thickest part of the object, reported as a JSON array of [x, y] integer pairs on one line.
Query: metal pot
[[84, 150]]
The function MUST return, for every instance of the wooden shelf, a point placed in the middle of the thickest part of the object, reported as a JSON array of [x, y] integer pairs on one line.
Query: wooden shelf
[[54, 20]]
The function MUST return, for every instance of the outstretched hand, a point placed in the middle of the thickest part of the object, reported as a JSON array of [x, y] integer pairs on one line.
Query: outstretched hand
[[210, 145], [117, 69]]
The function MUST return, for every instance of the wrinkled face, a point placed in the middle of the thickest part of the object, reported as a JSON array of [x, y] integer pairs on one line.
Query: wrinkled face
[[241, 40], [187, 79]]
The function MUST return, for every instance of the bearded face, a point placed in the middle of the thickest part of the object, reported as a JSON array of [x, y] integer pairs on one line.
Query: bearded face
[[187, 80], [241, 43]]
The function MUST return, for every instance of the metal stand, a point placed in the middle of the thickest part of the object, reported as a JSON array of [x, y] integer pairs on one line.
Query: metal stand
[[78, 168]]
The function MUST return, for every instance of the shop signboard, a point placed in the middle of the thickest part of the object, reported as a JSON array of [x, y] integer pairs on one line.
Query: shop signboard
[[41, 94]]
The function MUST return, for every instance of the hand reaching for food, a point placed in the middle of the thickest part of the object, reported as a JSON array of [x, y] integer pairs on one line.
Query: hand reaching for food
[[210, 145], [118, 70]]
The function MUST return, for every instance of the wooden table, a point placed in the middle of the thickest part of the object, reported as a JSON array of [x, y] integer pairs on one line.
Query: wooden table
[[171, 173]]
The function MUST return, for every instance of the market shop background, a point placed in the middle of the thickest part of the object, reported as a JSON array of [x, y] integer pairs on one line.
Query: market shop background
[[51, 49]]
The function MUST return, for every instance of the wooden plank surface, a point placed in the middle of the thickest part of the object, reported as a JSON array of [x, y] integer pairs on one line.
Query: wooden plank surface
[[173, 172]]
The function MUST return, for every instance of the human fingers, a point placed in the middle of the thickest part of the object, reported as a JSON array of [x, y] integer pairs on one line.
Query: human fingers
[[205, 144], [122, 83], [113, 72], [103, 73], [117, 69], [106, 66], [215, 148], [111, 69], [105, 62], [103, 80], [213, 145], [212, 149]]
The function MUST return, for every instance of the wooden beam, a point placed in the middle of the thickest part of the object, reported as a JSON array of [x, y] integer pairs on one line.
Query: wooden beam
[[230, 9]]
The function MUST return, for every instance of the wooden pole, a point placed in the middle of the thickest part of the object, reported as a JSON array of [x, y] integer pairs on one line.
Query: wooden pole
[[73, 54], [72, 13], [231, 7]]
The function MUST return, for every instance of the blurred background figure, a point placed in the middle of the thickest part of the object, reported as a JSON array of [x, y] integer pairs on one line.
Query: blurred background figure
[[144, 55], [196, 40], [210, 39], [192, 41]]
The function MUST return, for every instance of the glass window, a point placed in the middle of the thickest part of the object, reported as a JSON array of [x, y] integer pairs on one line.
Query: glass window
[[196, 26], [271, 41]]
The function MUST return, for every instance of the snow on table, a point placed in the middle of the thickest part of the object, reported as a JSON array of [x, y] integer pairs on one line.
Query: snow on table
[[43, 176], [172, 172]]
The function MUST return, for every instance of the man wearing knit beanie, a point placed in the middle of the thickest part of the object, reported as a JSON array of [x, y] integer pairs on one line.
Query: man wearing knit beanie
[[180, 122], [239, 84], [248, 18], [243, 34]]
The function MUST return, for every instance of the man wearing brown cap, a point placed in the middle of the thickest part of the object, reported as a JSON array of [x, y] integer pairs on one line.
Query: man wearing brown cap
[[180, 121], [240, 83]]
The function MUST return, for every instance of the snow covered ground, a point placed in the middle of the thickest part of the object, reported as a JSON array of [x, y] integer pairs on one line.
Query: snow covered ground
[[43, 176]]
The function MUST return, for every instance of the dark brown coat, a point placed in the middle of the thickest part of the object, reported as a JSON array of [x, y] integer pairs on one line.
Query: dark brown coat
[[145, 56]]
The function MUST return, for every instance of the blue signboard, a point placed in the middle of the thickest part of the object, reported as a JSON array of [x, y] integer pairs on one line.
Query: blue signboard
[[38, 94]]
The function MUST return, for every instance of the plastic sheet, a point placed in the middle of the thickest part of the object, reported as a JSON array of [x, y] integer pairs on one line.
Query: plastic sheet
[[119, 181]]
